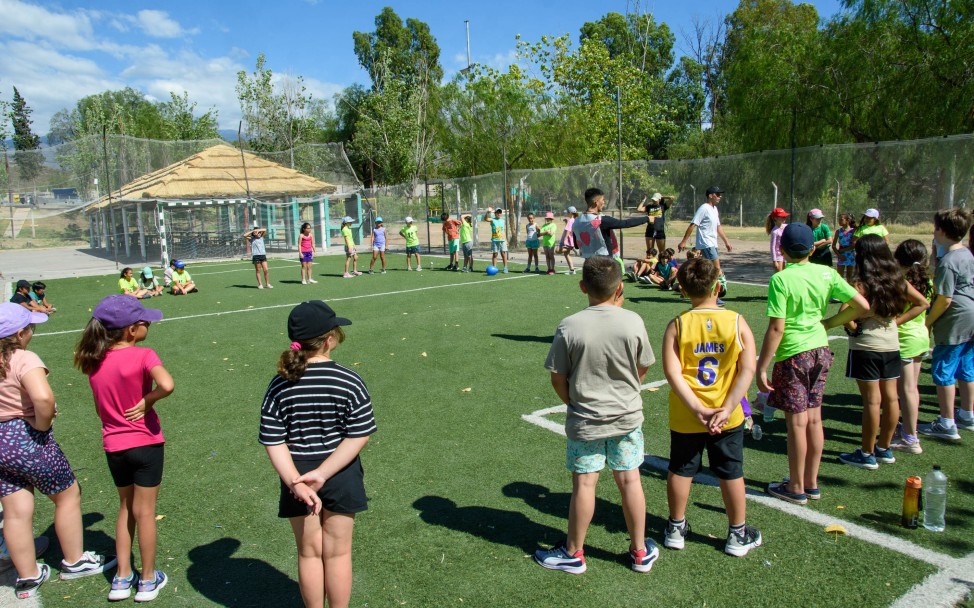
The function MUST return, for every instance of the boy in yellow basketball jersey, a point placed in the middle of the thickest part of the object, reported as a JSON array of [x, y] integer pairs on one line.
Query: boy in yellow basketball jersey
[[709, 361]]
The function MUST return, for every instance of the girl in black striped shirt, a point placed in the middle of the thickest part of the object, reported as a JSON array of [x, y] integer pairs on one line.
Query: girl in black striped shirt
[[315, 419]]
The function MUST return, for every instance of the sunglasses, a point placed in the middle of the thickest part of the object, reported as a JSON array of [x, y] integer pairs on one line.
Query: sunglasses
[[144, 323]]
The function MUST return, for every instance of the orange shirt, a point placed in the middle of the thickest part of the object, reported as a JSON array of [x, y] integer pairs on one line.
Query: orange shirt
[[452, 229]]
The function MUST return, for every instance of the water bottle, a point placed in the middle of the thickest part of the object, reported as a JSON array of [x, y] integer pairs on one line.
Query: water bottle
[[912, 502], [766, 410], [934, 499]]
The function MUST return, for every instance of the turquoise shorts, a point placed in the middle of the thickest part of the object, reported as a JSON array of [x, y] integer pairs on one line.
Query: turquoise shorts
[[454, 245], [623, 453]]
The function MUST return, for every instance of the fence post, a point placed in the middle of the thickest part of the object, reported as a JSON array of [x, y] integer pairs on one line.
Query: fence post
[[742, 212], [91, 230], [125, 231], [163, 246], [141, 225], [358, 207], [474, 212], [326, 237]]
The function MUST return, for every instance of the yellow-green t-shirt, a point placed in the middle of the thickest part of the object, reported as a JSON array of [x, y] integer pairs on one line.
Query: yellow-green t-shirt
[[127, 285], [548, 230], [863, 230], [181, 277], [347, 235], [800, 295], [411, 234], [466, 232]]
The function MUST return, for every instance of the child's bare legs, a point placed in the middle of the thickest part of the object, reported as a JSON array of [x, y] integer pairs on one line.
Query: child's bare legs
[[568, 260], [909, 393], [324, 558], [136, 512], [18, 531], [797, 424], [419, 263], [533, 254], [504, 257], [354, 262], [581, 509], [735, 499], [633, 505], [871, 403], [348, 259], [677, 494], [375, 255], [814, 446], [382, 256]]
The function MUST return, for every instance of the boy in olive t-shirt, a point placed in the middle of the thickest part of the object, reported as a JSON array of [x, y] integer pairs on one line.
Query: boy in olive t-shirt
[[797, 339]]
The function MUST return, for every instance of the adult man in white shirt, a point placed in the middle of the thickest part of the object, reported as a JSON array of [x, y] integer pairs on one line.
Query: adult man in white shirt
[[707, 222]]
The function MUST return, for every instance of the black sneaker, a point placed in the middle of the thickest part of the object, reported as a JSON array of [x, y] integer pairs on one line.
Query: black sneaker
[[90, 564], [739, 543], [27, 587]]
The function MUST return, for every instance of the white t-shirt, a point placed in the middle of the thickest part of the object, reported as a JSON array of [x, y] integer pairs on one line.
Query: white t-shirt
[[706, 220]]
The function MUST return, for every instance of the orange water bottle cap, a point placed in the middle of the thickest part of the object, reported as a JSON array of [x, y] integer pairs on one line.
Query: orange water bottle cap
[[914, 482]]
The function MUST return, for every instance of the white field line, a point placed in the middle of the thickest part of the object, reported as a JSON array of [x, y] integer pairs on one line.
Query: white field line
[[946, 588], [293, 304]]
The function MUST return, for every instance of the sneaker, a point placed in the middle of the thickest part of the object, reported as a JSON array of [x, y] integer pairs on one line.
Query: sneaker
[[27, 587], [551, 272], [883, 456], [505, 270], [573, 271], [720, 302], [383, 272], [675, 537], [312, 281], [269, 286], [965, 425], [149, 590], [527, 270], [558, 558], [739, 543], [664, 287], [356, 273], [643, 559], [937, 429], [259, 286], [121, 588], [348, 275], [631, 275], [408, 268], [419, 269], [858, 459], [903, 445], [780, 490], [303, 282], [810, 493], [90, 564]]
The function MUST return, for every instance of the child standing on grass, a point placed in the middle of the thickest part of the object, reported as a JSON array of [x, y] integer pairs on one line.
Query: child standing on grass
[[774, 225], [30, 459], [870, 224], [597, 361], [314, 422], [797, 340], [532, 242], [378, 245], [258, 255], [708, 359], [567, 242], [874, 348], [451, 228], [122, 375], [306, 247], [411, 234], [466, 242], [911, 256], [498, 237], [350, 253], [548, 230], [952, 320], [843, 247]]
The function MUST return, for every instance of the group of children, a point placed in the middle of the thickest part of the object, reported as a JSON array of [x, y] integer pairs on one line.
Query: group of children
[[32, 297]]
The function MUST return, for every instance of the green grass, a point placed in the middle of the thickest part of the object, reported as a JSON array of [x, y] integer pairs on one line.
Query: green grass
[[462, 489]]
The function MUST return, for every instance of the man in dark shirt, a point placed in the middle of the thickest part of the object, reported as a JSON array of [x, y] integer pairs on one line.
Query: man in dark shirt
[[593, 231]]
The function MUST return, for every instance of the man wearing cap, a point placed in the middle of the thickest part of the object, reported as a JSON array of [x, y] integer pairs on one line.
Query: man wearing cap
[[22, 296], [593, 231], [258, 255], [707, 222]]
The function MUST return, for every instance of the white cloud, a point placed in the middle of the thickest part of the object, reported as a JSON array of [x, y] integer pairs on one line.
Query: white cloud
[[158, 24], [21, 20]]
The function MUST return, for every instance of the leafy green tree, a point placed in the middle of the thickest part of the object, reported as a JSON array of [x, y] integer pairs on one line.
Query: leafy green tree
[[28, 159], [647, 45], [394, 51], [180, 121]]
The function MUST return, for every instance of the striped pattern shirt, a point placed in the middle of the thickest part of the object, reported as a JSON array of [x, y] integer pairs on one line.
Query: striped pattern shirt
[[313, 415]]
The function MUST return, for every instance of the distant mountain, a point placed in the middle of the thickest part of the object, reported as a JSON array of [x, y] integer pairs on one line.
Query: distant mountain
[[228, 134]]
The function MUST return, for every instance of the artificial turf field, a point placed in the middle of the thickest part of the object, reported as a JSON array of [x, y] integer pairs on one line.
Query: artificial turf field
[[462, 488]]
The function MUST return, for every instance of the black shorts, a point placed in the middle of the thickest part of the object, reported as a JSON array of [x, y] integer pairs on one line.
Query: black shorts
[[656, 233], [258, 259], [342, 493], [140, 466], [824, 258], [870, 366], [725, 453]]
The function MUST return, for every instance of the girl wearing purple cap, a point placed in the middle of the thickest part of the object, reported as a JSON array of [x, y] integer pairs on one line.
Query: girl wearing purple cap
[[315, 420], [122, 376], [30, 458]]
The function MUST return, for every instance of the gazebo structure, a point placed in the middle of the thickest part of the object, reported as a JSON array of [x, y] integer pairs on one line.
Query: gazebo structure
[[201, 205]]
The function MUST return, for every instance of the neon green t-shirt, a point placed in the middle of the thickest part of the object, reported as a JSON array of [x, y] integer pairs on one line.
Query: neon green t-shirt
[[800, 294], [347, 235], [127, 284], [181, 277], [548, 230], [863, 230], [411, 235], [466, 232], [914, 335]]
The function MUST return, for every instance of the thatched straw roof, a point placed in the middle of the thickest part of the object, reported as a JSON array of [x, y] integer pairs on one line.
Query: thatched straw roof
[[218, 173]]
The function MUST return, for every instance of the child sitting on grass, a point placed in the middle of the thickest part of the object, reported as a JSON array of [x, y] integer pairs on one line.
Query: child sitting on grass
[[597, 361], [182, 283], [664, 272], [37, 295], [708, 359], [642, 267]]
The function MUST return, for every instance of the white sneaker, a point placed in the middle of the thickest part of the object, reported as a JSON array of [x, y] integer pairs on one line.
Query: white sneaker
[[259, 286], [937, 429], [269, 286], [303, 282], [675, 537], [312, 281], [90, 564]]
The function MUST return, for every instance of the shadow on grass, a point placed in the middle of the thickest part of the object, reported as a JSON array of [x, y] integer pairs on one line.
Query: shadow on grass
[[498, 526], [524, 338], [238, 581], [238, 286], [99, 542]]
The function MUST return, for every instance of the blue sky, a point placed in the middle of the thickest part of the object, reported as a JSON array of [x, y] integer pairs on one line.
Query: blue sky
[[57, 52]]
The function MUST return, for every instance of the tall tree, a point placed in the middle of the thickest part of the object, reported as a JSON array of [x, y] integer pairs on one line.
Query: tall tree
[[396, 52], [28, 159], [181, 123]]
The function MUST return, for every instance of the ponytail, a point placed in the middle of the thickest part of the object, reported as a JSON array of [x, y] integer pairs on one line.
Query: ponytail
[[95, 342], [294, 361], [769, 224]]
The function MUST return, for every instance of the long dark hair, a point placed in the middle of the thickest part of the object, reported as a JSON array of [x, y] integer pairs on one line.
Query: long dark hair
[[293, 363], [96, 340], [911, 255], [880, 277]]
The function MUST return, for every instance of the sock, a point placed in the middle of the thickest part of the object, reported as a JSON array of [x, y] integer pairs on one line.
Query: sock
[[738, 530], [678, 523], [947, 422], [909, 438], [964, 415]]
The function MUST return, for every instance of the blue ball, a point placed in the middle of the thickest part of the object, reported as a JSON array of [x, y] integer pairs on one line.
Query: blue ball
[[491, 271]]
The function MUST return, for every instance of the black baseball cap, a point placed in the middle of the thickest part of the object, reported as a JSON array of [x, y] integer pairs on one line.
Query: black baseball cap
[[714, 190], [797, 240], [22, 284], [312, 319]]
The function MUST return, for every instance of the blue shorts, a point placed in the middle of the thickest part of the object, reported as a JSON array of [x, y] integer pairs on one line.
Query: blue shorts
[[467, 248], [709, 253], [623, 453], [952, 362], [533, 244]]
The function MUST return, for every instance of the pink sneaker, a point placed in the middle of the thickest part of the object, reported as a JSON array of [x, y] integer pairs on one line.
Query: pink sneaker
[[347, 275]]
